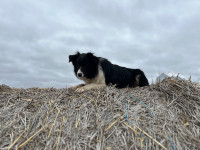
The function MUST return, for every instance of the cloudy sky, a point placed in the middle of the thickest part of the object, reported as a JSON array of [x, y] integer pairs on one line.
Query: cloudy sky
[[37, 36]]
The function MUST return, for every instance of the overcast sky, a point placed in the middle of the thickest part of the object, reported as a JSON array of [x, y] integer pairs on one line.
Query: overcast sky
[[36, 37]]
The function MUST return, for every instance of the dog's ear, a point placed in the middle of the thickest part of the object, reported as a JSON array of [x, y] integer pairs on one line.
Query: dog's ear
[[73, 58], [89, 55]]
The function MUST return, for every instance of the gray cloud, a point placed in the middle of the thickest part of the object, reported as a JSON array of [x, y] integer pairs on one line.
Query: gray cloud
[[36, 38]]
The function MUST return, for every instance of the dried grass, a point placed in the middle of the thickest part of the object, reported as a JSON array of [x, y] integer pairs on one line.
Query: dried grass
[[165, 115]]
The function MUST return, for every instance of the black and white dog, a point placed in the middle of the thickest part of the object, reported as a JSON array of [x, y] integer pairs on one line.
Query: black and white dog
[[98, 72]]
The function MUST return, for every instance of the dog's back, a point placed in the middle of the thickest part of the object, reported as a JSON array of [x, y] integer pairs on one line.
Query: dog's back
[[122, 76]]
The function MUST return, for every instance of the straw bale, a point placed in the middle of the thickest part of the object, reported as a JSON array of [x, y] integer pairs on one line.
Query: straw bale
[[165, 115]]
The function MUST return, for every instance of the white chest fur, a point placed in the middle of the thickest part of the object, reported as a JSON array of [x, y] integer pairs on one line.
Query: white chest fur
[[99, 79]]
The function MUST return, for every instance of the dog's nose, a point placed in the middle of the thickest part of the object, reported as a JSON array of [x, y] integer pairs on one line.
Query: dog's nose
[[80, 74]]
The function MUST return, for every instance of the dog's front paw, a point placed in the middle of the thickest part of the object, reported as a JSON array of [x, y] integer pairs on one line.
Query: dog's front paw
[[76, 87], [72, 88], [80, 90]]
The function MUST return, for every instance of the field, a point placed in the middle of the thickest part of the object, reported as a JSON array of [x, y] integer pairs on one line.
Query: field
[[165, 115]]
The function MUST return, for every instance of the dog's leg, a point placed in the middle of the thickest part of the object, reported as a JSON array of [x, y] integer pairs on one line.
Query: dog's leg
[[89, 87], [76, 87]]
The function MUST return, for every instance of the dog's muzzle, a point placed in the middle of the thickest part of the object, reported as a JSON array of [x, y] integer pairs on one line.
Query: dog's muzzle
[[80, 75]]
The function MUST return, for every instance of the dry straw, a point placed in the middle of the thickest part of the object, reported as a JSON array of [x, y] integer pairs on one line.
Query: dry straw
[[165, 115]]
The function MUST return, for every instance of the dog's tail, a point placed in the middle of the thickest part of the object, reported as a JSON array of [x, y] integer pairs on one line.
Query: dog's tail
[[142, 80]]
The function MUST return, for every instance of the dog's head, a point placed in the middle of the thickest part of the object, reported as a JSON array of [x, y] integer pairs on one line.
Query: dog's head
[[85, 65]]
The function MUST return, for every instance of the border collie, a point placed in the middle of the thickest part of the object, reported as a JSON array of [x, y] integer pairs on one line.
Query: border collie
[[98, 72]]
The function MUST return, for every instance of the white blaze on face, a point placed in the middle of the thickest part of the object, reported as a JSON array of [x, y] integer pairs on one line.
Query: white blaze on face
[[80, 73]]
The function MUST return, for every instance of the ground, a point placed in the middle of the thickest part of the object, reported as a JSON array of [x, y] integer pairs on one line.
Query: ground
[[165, 115]]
